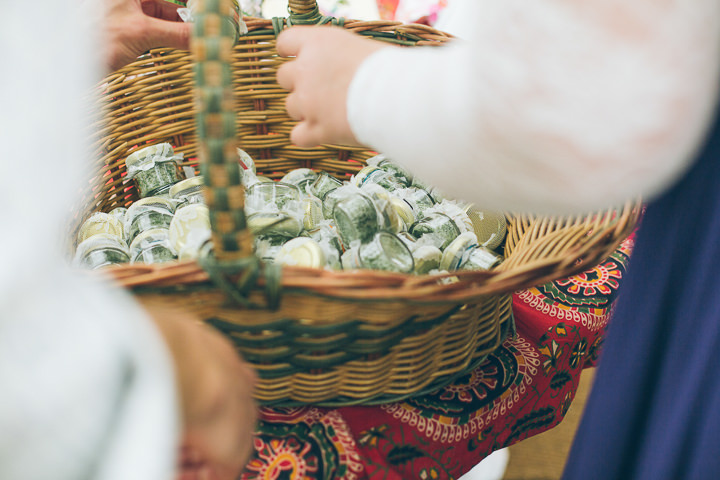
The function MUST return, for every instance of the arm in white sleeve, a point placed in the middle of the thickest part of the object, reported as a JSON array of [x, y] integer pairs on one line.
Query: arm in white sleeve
[[551, 105], [86, 383], [87, 387]]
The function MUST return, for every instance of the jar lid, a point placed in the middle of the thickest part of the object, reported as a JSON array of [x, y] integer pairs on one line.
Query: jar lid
[[189, 185], [362, 176], [98, 223], [458, 251], [404, 210], [302, 252], [151, 153], [299, 175], [427, 258], [190, 227], [490, 227], [313, 213]]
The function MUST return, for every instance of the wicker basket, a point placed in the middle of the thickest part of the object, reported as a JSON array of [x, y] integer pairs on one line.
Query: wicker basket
[[314, 336]]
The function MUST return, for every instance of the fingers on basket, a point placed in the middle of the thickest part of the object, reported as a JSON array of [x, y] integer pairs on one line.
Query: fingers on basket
[[290, 41], [164, 33], [286, 75], [306, 134]]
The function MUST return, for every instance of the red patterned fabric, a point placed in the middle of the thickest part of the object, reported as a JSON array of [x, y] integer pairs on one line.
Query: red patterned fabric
[[524, 388]]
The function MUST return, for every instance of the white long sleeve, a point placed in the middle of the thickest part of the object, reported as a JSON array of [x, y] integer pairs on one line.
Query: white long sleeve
[[550, 105], [86, 384]]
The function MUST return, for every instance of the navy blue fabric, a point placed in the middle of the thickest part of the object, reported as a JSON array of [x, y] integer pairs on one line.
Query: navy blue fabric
[[654, 412]]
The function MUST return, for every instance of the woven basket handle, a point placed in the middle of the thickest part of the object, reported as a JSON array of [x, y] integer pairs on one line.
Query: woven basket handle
[[212, 45], [306, 12], [302, 7]]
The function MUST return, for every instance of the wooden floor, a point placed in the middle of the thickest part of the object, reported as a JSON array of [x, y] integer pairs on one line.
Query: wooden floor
[[543, 457]]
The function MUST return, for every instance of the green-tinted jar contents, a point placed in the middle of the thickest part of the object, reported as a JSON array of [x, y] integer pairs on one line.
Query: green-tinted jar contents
[[156, 254], [356, 218], [378, 176], [333, 197], [152, 246], [386, 252], [262, 196], [482, 258], [189, 191], [440, 229], [401, 175], [154, 169], [323, 184], [419, 199], [302, 178], [100, 251], [146, 214]]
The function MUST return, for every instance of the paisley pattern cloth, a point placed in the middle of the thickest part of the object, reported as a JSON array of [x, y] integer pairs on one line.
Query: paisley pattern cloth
[[524, 388]]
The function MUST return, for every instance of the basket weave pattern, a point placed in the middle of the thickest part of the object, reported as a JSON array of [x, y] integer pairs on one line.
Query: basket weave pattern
[[335, 338]]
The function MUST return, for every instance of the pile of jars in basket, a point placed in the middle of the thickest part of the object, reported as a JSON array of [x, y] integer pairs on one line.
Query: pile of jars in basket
[[381, 219]]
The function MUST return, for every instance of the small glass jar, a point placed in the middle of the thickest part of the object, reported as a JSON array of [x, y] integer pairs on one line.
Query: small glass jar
[[334, 196], [147, 214], [418, 199], [436, 228], [189, 230], [481, 258], [457, 253], [274, 224], [152, 246], [302, 178], [154, 169], [323, 184], [188, 191], [273, 197], [301, 252], [120, 213], [490, 227], [401, 175], [267, 247], [100, 223], [313, 212], [377, 176], [404, 211], [329, 240], [427, 258], [101, 250], [356, 218], [388, 217], [246, 162], [275, 208], [384, 252], [409, 240]]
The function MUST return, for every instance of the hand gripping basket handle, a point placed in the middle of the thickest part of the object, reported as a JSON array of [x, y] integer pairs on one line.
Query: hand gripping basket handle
[[212, 46]]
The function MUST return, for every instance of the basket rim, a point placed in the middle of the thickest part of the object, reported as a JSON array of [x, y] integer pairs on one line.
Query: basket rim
[[588, 246]]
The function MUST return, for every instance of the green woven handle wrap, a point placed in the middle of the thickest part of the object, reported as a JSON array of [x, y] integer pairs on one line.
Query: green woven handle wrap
[[212, 46]]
